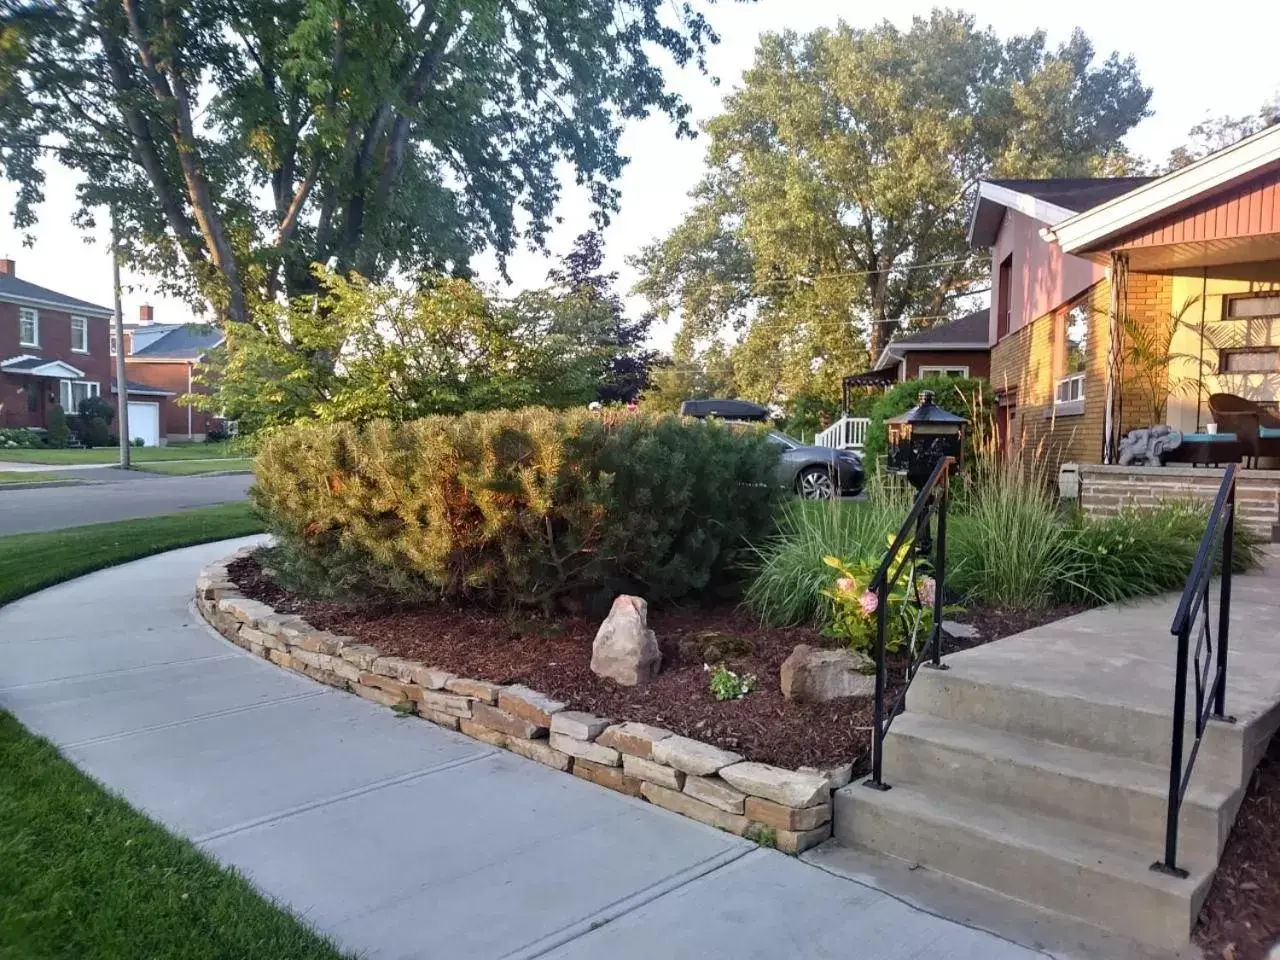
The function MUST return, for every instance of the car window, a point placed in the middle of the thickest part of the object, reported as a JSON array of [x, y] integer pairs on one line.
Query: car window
[[783, 441]]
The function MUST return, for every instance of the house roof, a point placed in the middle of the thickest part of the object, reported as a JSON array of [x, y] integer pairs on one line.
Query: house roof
[[188, 341], [970, 332], [40, 367], [24, 292], [142, 389], [1121, 214], [1048, 200]]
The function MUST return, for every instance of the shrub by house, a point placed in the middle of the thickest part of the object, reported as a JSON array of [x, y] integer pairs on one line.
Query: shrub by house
[[528, 507]]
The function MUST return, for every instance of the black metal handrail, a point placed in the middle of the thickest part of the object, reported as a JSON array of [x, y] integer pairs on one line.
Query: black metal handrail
[[930, 503], [1193, 616]]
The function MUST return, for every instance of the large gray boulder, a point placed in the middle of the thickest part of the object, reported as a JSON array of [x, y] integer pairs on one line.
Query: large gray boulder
[[625, 649], [813, 675]]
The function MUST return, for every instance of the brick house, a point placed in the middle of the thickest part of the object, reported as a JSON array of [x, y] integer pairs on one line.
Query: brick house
[[164, 357], [957, 348], [1079, 267], [55, 349]]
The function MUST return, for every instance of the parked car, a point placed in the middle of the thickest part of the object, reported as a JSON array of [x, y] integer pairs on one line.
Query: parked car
[[814, 473]]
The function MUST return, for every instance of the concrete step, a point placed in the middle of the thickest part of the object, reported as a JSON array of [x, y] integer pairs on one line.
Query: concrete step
[[1062, 866], [1117, 794], [1097, 724]]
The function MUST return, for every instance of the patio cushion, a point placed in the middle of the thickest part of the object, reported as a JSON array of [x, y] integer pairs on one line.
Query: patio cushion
[[1210, 437], [1269, 433]]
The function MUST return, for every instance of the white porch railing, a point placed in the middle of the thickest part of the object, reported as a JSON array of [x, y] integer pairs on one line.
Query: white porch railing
[[847, 433]]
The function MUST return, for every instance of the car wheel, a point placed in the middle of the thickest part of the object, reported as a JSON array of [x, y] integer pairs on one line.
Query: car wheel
[[815, 483]]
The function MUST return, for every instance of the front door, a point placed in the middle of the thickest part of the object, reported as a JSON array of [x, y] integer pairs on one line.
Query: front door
[[1006, 421]]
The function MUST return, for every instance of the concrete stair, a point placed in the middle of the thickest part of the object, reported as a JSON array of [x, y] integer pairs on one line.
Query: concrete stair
[[1047, 797]]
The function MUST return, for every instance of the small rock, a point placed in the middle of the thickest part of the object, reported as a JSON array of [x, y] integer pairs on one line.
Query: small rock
[[781, 817], [449, 703], [579, 725], [961, 631], [361, 654], [505, 723], [813, 675], [480, 689], [432, 678], [540, 751], [685, 805], [712, 646], [605, 756], [614, 778], [396, 667], [533, 706], [787, 787], [636, 739], [625, 650], [693, 756], [716, 792]]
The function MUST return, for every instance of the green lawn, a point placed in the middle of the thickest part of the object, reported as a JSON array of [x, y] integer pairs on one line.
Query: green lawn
[[33, 476], [33, 561], [189, 451], [82, 875], [186, 468]]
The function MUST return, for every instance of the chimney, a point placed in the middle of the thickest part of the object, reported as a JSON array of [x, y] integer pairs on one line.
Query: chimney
[[146, 313], [8, 268]]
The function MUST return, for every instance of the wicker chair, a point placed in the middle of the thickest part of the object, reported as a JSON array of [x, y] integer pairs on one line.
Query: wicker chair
[[1257, 427]]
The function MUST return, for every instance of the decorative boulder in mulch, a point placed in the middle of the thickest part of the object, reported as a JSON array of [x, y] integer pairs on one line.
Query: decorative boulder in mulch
[[813, 675], [625, 649]]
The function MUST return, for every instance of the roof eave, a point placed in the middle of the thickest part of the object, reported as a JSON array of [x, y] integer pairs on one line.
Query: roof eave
[[78, 310], [1078, 233], [983, 231]]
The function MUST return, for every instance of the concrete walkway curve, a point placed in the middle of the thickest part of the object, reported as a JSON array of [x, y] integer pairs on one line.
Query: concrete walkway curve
[[397, 838]]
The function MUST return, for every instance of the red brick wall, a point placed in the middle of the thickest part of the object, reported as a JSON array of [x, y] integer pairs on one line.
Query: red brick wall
[[978, 361], [55, 344], [171, 376]]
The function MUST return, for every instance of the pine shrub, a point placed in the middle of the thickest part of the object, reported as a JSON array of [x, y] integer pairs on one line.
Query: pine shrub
[[59, 434], [527, 507]]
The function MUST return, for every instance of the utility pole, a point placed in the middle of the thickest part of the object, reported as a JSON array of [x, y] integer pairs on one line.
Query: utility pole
[[122, 385]]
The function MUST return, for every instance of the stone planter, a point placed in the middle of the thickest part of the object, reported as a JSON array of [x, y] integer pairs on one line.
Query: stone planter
[[787, 809]]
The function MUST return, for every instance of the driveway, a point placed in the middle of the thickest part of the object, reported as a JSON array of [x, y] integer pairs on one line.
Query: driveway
[[125, 495], [396, 837]]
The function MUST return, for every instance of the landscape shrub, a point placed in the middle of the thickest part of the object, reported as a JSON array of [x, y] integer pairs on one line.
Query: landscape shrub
[[59, 434], [13, 438], [99, 407], [94, 432], [968, 398], [523, 507]]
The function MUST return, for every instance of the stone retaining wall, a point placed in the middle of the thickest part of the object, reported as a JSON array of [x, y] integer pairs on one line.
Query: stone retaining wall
[[1104, 490], [787, 809]]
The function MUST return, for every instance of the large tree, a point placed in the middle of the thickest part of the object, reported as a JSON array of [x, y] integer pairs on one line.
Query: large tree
[[1214, 133], [241, 141], [840, 176]]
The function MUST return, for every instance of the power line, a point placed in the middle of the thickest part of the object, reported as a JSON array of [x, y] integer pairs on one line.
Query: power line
[[802, 280]]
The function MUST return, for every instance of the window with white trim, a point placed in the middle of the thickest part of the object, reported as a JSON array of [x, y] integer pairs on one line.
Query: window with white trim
[[1075, 354], [936, 371], [79, 335], [72, 393], [1249, 306], [111, 341], [1250, 360], [28, 327]]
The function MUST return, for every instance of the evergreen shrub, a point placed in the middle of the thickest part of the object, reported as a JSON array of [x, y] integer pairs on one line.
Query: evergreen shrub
[[972, 399], [527, 507]]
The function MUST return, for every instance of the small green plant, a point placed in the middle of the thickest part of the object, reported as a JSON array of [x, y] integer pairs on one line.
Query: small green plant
[[727, 685], [139, 442], [855, 606], [764, 836], [59, 434], [14, 438], [403, 709]]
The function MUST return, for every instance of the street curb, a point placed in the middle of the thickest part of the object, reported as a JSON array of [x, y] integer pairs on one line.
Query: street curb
[[38, 484]]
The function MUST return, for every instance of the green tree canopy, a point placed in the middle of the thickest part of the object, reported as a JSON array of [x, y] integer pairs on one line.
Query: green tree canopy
[[839, 178], [241, 141], [1214, 133]]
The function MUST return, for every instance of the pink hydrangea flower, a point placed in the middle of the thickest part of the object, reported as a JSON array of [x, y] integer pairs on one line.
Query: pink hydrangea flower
[[846, 585], [869, 603], [928, 589]]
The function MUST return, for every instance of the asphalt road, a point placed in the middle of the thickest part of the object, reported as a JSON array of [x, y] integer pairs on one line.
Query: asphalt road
[[125, 496]]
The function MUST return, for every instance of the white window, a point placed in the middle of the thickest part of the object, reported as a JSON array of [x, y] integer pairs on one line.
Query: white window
[[962, 372], [28, 327], [1257, 360], [72, 393], [1075, 355], [1253, 305], [111, 340], [79, 335]]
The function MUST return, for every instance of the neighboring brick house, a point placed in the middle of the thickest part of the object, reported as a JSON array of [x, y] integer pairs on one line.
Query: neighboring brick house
[[957, 348], [55, 349], [164, 357], [1191, 258]]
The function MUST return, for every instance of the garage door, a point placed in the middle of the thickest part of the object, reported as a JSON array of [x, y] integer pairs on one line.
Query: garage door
[[144, 422]]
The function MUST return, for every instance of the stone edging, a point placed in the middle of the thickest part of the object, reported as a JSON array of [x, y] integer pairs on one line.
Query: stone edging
[[790, 810]]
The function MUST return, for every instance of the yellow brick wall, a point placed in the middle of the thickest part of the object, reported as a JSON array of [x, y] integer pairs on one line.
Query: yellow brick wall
[[1028, 361]]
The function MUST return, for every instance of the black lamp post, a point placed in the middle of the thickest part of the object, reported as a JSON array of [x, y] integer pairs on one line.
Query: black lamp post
[[921, 437]]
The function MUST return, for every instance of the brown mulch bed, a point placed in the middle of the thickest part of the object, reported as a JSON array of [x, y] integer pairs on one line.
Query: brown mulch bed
[[1241, 918], [554, 656]]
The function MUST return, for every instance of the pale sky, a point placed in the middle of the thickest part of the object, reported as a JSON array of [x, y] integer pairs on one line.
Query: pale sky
[[1217, 58]]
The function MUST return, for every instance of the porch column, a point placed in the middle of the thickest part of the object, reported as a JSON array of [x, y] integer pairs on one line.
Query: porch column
[[1119, 275]]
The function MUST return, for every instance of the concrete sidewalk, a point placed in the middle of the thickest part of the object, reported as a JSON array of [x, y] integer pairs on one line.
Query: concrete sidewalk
[[394, 836]]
